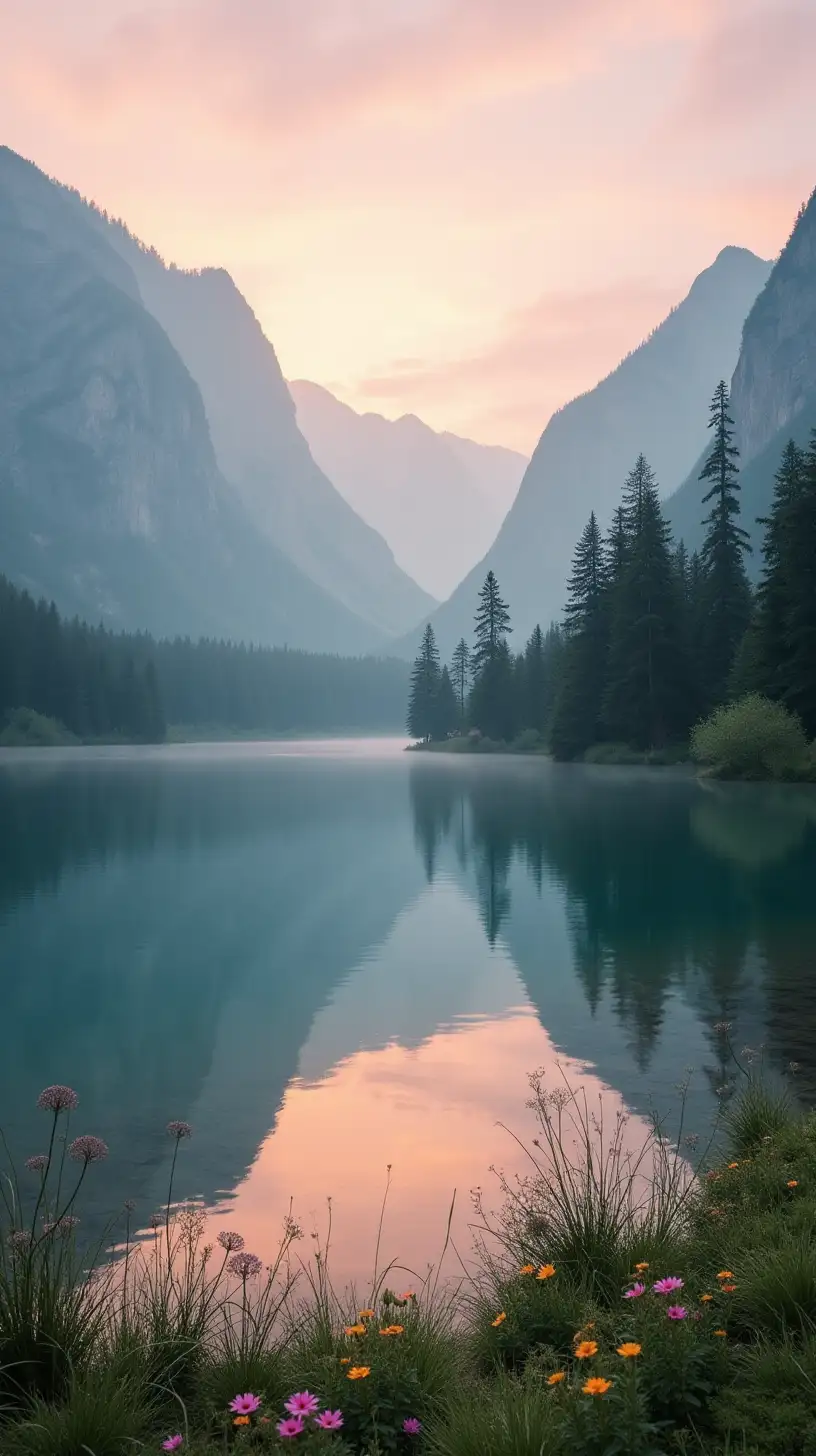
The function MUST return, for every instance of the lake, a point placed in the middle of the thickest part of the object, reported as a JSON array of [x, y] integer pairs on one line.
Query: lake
[[334, 957]]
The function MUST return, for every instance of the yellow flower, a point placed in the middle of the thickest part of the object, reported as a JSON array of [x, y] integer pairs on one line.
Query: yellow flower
[[527, 1269], [556, 1377], [499, 1320], [640, 1267], [366, 1314], [586, 1349], [720, 1332], [546, 1271], [596, 1386], [392, 1330], [725, 1274], [359, 1372], [355, 1329], [241, 1421], [792, 1183], [629, 1349], [706, 1298]]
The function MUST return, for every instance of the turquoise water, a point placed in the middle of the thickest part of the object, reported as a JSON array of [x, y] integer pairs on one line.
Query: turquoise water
[[333, 957]]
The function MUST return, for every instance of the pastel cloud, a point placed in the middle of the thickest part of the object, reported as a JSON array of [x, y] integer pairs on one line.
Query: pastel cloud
[[751, 64]]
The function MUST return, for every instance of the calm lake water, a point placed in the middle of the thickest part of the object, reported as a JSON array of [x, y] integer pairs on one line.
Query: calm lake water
[[333, 957]]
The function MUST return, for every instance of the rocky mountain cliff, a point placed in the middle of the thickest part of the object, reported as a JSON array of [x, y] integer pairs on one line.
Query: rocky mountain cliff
[[437, 499], [773, 390], [111, 499], [258, 444]]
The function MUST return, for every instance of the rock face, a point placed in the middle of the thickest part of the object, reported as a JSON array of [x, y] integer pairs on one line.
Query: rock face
[[259, 447], [773, 390], [437, 499], [655, 401], [112, 501]]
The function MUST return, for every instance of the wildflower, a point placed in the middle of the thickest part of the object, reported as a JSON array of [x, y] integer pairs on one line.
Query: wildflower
[[629, 1349], [723, 1027], [58, 1099], [546, 1271], [722, 1333], [733, 1165], [291, 1427], [706, 1298], [302, 1404], [245, 1405], [677, 1311], [792, 1183], [556, 1377], [725, 1274], [38, 1163], [64, 1226], [411, 1426], [667, 1286], [586, 1349], [345, 1360], [728, 1288], [409, 1294], [179, 1130], [596, 1386], [88, 1149], [233, 1243], [355, 1329], [499, 1320], [246, 1266], [329, 1420], [395, 1330], [20, 1241], [641, 1267], [366, 1314], [636, 1291], [173, 1442], [527, 1269], [241, 1421], [359, 1372]]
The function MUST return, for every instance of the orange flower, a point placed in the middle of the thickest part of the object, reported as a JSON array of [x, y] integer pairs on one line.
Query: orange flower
[[344, 1360], [527, 1269], [392, 1330], [241, 1421], [720, 1332], [409, 1294], [640, 1267], [706, 1298], [733, 1165], [546, 1271], [728, 1288], [629, 1349], [359, 1372], [499, 1320], [556, 1377], [355, 1329], [792, 1183], [725, 1274], [366, 1314], [586, 1349], [596, 1386]]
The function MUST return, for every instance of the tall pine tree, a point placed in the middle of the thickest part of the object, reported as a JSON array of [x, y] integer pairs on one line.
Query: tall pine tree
[[425, 682], [493, 697], [492, 623], [799, 568], [770, 649], [576, 720], [460, 676], [725, 595]]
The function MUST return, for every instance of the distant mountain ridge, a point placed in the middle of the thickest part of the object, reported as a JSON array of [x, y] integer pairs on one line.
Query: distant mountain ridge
[[436, 498], [655, 401]]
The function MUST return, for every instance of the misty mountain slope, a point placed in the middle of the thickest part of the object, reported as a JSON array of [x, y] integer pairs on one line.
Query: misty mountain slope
[[111, 501], [656, 401], [258, 444], [437, 499], [773, 390]]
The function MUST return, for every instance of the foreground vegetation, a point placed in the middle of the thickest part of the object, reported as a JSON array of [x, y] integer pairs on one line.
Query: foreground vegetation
[[624, 1306]]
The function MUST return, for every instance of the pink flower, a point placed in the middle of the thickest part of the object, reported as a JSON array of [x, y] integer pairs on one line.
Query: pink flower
[[172, 1443], [329, 1420], [677, 1311], [58, 1099], [412, 1426], [245, 1405], [636, 1291], [667, 1286], [246, 1266], [88, 1149], [291, 1427], [233, 1243], [38, 1163], [302, 1404], [179, 1130]]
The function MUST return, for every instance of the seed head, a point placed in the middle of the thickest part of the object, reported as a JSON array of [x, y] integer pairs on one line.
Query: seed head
[[58, 1099], [233, 1243], [179, 1130], [246, 1266], [38, 1163], [88, 1149]]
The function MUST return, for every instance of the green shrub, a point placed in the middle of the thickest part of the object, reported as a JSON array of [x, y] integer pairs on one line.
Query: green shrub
[[776, 1288], [24, 728], [528, 741], [756, 1114], [752, 739], [100, 1415], [506, 1418]]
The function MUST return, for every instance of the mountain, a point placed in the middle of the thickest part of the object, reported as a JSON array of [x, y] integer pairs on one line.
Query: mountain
[[437, 499], [258, 445], [773, 390], [111, 500], [655, 401]]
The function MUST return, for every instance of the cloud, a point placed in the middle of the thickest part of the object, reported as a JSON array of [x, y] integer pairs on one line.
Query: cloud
[[545, 354], [750, 65], [286, 68]]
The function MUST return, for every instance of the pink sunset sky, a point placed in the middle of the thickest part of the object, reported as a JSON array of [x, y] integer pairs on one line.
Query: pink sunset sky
[[465, 209]]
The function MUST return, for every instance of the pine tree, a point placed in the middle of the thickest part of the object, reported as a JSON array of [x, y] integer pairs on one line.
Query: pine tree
[[425, 682], [617, 543], [533, 675], [576, 722], [640, 482], [798, 567], [492, 624], [646, 700], [460, 676], [446, 710], [492, 699], [769, 655], [725, 595]]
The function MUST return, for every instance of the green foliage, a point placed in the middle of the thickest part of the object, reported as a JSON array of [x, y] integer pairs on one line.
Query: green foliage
[[98, 1414], [759, 1113], [423, 715], [724, 594], [26, 729], [752, 739], [506, 1418]]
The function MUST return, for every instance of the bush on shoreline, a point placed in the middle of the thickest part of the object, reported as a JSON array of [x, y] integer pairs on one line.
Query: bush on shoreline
[[625, 1305], [754, 739]]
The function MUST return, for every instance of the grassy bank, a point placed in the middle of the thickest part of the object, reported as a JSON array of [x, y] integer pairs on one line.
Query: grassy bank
[[623, 1306]]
